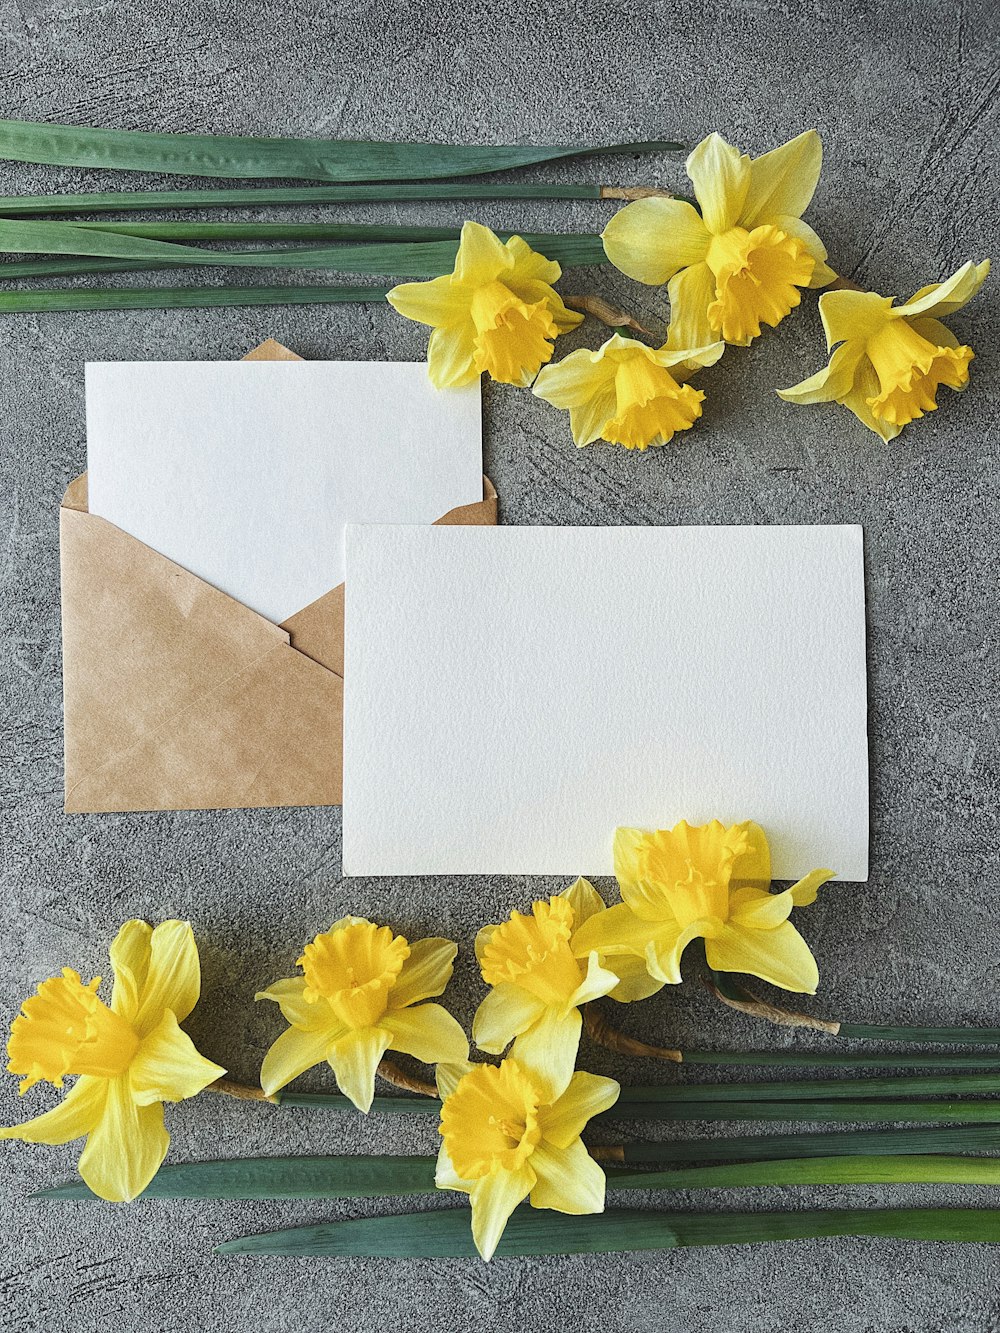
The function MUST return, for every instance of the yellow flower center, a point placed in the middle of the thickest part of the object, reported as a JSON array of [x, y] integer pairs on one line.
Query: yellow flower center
[[490, 1121], [513, 340], [65, 1029], [353, 969], [757, 276], [533, 952], [684, 873], [651, 405], [910, 369]]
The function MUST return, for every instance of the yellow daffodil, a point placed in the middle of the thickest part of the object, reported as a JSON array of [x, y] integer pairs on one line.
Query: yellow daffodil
[[710, 882], [355, 1001], [741, 260], [890, 360], [507, 1137], [538, 984], [624, 392], [497, 312], [130, 1057]]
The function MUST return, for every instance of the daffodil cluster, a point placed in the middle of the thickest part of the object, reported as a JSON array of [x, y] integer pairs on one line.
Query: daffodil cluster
[[734, 260]]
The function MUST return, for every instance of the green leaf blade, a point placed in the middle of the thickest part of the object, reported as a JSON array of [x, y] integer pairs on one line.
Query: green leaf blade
[[446, 1233], [240, 157]]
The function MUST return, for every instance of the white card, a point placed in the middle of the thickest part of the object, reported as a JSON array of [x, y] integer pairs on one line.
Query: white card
[[246, 472], [514, 694]]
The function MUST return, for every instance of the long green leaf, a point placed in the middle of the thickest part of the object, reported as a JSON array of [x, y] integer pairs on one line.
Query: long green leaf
[[411, 259], [275, 231], [895, 1087], [238, 157], [820, 1112], [180, 298], [128, 201], [944, 1036], [363, 1177], [839, 1143], [847, 1059], [446, 1233]]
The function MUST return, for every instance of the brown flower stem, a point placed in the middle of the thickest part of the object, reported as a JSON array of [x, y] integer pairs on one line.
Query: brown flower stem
[[737, 997], [632, 192], [240, 1091], [391, 1072], [607, 314], [606, 1152], [841, 284], [598, 1029]]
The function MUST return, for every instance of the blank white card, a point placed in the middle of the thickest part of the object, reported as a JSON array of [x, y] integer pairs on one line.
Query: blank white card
[[247, 472], [515, 694]]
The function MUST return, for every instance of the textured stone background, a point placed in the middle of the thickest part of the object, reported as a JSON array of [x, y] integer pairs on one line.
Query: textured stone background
[[905, 97]]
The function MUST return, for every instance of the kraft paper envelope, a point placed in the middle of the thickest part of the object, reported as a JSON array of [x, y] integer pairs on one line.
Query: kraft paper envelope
[[177, 696]]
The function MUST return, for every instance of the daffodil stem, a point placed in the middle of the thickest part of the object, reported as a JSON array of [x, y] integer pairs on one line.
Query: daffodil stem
[[240, 1091], [616, 319], [736, 996], [388, 1069]]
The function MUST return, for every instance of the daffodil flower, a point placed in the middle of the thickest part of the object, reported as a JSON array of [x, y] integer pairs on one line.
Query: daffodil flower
[[890, 360], [624, 392], [130, 1057], [507, 1136], [741, 261], [358, 998], [497, 312], [538, 984], [710, 882]]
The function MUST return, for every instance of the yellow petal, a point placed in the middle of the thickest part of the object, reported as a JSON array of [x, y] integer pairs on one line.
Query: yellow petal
[[653, 238], [427, 1032], [449, 1076], [780, 956], [853, 314], [822, 273], [783, 181], [805, 891], [720, 174], [426, 972], [614, 931], [934, 331], [586, 1096], [548, 1050], [482, 257], [694, 358], [759, 909], [634, 981], [627, 846], [75, 1116], [691, 293], [506, 1012], [482, 941], [129, 955], [569, 1180], [451, 356], [584, 900], [831, 384], [126, 1146], [173, 979], [583, 384], [167, 1066], [493, 1199], [289, 994], [445, 1175], [291, 1055], [944, 298], [355, 1059], [663, 952], [866, 388], [439, 302], [528, 266], [598, 981], [752, 866]]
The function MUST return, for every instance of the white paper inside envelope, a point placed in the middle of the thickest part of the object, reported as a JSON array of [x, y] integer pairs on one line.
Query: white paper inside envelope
[[514, 694], [246, 472]]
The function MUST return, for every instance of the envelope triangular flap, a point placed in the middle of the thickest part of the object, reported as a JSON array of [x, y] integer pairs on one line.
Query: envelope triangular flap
[[177, 696]]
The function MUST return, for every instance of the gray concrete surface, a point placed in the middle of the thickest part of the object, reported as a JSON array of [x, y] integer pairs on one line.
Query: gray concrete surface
[[905, 96]]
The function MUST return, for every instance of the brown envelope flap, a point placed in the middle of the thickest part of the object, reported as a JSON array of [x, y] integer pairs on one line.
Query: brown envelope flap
[[267, 735], [318, 629]]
